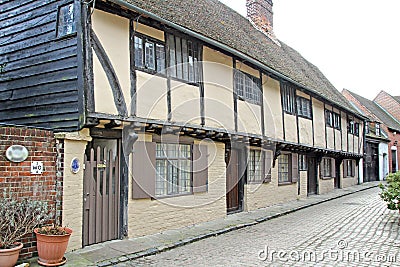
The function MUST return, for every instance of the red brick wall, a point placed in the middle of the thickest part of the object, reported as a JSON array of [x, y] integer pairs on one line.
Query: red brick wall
[[41, 146], [389, 103]]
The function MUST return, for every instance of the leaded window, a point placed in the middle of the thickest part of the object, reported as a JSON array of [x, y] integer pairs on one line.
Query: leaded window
[[254, 167], [288, 98], [303, 107], [327, 167], [149, 54], [184, 59], [284, 168], [173, 168], [247, 87]]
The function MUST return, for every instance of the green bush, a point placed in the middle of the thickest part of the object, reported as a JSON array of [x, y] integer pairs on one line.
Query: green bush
[[391, 191]]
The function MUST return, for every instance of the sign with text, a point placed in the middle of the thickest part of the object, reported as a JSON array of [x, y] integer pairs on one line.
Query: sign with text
[[36, 167]]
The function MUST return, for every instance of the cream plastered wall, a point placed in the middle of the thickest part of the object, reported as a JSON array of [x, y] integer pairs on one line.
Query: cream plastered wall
[[303, 184], [319, 123], [113, 33], [290, 128], [246, 68], [151, 94], [72, 205], [249, 117], [267, 194], [330, 137], [185, 103], [272, 108], [306, 131], [350, 142], [338, 140], [218, 89], [302, 94], [152, 216], [149, 31], [350, 181]]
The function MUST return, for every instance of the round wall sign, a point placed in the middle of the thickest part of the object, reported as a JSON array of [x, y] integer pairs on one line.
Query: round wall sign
[[17, 153], [75, 165]]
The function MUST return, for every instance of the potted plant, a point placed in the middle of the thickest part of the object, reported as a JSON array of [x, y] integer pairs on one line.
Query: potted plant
[[52, 242], [18, 218]]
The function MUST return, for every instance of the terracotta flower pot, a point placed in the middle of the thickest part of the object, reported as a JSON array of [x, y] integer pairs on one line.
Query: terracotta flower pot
[[9, 256], [51, 248]]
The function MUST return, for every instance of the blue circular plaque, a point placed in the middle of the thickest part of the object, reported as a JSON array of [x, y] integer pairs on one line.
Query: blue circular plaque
[[75, 165]]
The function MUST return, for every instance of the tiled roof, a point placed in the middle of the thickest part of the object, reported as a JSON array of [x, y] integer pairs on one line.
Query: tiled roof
[[219, 22], [378, 111]]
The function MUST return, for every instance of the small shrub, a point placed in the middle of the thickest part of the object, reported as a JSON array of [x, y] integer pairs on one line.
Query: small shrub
[[18, 217], [391, 191], [52, 230]]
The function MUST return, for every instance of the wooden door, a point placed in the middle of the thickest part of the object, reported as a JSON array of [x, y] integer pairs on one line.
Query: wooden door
[[102, 193], [312, 177], [232, 182], [337, 174]]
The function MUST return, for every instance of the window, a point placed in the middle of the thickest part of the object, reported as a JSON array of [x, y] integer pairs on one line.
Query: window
[[350, 126], [378, 129], [173, 168], [356, 128], [184, 59], [350, 169], [288, 98], [332, 119], [284, 168], [66, 20], [149, 54], [247, 87], [327, 166], [303, 107], [367, 127], [254, 168], [302, 162]]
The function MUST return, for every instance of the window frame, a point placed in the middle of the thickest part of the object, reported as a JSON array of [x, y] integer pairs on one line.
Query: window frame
[[167, 180], [255, 167], [147, 39], [289, 169], [377, 129], [176, 61], [288, 98], [74, 21], [327, 162], [303, 166], [255, 97], [333, 119], [301, 102]]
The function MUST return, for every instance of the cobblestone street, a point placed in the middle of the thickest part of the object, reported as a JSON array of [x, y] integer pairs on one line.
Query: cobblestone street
[[355, 230]]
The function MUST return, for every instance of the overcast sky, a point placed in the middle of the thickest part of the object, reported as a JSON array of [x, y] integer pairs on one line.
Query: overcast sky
[[355, 43]]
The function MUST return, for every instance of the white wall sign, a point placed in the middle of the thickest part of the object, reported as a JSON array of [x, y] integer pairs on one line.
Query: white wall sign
[[16, 153], [36, 167]]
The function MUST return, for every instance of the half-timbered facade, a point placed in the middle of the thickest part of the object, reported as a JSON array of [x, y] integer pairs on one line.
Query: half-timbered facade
[[178, 111]]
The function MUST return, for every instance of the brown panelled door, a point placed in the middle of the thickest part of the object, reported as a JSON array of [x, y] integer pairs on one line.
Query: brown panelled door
[[101, 192], [232, 182]]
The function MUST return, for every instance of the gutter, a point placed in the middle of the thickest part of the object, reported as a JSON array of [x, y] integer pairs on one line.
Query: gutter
[[217, 44]]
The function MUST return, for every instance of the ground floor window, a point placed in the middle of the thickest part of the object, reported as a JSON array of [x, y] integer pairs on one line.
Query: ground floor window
[[254, 168], [302, 162], [327, 167], [173, 169], [350, 168], [284, 168]]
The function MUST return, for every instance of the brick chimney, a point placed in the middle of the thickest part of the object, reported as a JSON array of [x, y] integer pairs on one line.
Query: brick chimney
[[260, 14]]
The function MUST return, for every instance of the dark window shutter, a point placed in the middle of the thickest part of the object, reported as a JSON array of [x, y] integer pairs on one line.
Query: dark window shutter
[[144, 170], [267, 154], [333, 165], [295, 168], [200, 168]]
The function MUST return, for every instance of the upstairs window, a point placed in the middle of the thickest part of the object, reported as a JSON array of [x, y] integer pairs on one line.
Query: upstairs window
[[303, 107], [184, 59], [367, 127], [247, 87], [288, 98], [377, 129], [66, 24], [149, 54], [332, 119], [353, 127]]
